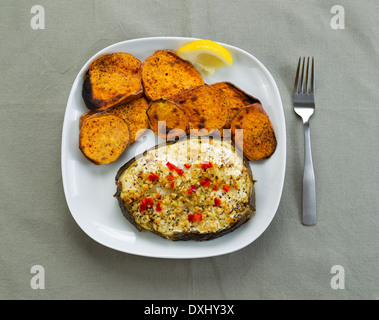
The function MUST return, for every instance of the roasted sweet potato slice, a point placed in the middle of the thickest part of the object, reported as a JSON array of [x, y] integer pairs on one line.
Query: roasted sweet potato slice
[[112, 79], [207, 109], [134, 113], [257, 140], [167, 119], [103, 138], [165, 74], [237, 97], [84, 116]]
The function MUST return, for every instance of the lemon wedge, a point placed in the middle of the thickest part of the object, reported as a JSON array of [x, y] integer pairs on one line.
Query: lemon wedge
[[206, 56]]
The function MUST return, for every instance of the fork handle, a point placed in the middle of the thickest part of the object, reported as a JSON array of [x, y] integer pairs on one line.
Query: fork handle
[[309, 188]]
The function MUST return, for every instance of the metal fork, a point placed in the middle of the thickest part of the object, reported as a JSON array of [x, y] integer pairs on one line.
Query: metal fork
[[304, 106]]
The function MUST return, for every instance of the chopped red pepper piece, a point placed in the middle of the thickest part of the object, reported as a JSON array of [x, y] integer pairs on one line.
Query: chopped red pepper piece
[[214, 188], [170, 166], [153, 176], [158, 207], [217, 202], [170, 177], [206, 164], [159, 196], [192, 189], [196, 217], [187, 165], [173, 184], [156, 176], [205, 182], [173, 167], [142, 207], [146, 202], [226, 188]]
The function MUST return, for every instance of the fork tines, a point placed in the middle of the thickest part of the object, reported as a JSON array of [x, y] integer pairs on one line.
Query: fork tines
[[302, 86]]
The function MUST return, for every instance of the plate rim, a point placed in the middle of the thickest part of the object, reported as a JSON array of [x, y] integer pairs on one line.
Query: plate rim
[[162, 255]]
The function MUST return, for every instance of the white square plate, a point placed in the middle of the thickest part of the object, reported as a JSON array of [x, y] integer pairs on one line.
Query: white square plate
[[89, 189]]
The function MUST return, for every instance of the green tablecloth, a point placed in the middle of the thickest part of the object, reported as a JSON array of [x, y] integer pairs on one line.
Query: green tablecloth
[[289, 261]]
